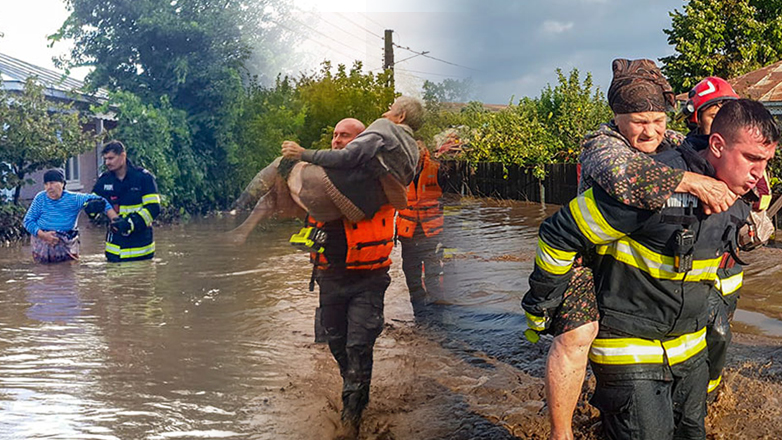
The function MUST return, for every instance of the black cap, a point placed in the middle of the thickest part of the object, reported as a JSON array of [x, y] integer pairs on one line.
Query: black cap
[[54, 175]]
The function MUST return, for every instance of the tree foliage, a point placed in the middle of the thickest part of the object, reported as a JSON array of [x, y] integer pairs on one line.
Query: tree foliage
[[36, 134], [270, 116], [513, 135], [192, 53], [724, 38], [158, 138], [571, 109], [535, 132], [331, 96]]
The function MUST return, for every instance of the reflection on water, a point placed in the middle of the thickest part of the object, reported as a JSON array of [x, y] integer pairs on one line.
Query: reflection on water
[[198, 342]]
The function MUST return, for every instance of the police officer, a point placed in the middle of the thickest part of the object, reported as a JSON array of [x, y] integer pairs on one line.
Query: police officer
[[653, 281], [132, 192]]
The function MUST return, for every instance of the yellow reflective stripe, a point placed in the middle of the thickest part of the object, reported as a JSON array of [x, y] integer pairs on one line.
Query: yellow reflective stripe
[[628, 351], [127, 209], [145, 214], [130, 252], [150, 198], [553, 260], [765, 200], [535, 322], [713, 384], [632, 253], [731, 284], [590, 221], [685, 346]]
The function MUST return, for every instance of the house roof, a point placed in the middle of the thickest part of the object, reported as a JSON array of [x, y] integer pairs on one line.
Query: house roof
[[764, 84], [15, 72]]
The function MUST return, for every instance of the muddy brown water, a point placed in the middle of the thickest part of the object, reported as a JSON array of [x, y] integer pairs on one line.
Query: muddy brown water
[[215, 340]]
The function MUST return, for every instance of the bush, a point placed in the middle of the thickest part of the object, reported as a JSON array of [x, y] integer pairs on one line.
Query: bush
[[11, 223]]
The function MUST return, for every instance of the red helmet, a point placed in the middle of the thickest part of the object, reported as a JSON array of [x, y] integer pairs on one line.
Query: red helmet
[[706, 93]]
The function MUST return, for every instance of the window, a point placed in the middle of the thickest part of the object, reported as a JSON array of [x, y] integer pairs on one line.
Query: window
[[72, 169], [72, 174]]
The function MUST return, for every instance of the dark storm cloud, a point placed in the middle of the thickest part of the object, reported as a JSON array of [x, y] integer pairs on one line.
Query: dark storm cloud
[[517, 45]]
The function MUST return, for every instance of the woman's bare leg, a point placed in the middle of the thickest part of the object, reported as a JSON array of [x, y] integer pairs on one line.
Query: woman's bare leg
[[565, 371]]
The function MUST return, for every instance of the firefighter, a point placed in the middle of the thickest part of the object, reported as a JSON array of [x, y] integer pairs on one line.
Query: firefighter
[[653, 281], [618, 158], [132, 192], [704, 101], [419, 226]]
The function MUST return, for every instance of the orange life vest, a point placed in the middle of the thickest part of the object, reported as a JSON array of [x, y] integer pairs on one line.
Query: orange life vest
[[423, 204], [369, 242]]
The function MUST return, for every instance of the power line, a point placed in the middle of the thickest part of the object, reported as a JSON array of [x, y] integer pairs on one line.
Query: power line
[[324, 35], [362, 27], [373, 21], [408, 58], [424, 54], [342, 30], [312, 39], [428, 73]]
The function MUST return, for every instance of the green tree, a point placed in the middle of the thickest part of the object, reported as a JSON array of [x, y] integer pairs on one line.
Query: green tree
[[724, 38], [570, 110], [513, 135], [158, 138], [192, 51], [35, 134], [330, 97], [269, 116]]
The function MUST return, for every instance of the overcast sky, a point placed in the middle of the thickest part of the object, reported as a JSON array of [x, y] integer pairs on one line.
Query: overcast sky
[[510, 48]]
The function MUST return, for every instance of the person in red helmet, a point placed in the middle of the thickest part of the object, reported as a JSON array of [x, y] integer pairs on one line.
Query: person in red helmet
[[704, 101]]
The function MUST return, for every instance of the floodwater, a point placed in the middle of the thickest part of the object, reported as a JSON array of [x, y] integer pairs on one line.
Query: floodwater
[[215, 340]]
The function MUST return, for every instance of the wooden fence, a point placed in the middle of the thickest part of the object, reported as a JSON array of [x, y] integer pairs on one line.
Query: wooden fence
[[492, 179]]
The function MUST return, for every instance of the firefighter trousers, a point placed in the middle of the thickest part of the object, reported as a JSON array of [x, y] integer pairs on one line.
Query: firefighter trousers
[[643, 406]]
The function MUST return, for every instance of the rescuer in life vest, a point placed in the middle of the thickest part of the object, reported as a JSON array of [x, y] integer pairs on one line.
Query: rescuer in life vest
[[132, 192], [418, 228], [350, 265]]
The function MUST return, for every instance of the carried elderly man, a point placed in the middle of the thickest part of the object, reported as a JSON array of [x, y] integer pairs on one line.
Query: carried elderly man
[[653, 273], [352, 181]]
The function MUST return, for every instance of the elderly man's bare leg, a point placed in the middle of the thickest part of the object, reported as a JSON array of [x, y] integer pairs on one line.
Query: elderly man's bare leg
[[565, 370]]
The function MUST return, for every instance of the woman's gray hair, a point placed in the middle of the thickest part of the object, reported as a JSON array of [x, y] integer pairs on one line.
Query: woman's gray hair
[[413, 109]]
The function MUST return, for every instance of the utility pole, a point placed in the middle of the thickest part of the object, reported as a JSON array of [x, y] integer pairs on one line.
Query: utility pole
[[388, 56]]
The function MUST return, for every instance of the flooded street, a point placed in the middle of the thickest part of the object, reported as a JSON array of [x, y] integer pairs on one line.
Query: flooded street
[[215, 340]]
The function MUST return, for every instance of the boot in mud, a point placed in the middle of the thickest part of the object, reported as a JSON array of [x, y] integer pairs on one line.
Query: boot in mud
[[355, 397], [348, 430]]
